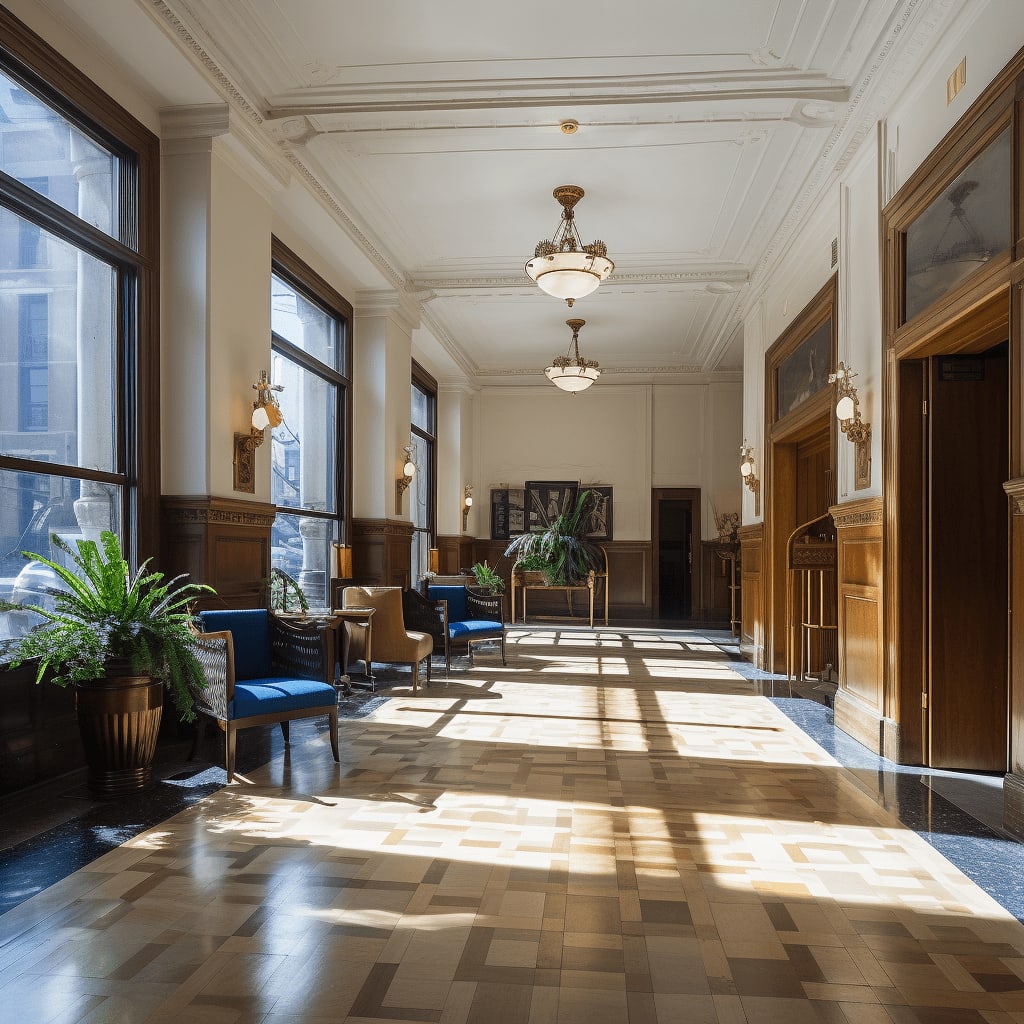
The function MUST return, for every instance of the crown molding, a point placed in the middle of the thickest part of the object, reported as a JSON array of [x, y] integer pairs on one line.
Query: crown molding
[[499, 93]]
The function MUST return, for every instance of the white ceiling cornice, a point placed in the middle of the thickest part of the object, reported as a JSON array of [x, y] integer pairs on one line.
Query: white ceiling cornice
[[516, 93]]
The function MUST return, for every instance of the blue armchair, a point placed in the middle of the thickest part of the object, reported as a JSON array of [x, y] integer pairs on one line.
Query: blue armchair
[[260, 670], [455, 615]]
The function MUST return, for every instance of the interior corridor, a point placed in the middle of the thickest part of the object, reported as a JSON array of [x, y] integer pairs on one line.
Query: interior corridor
[[622, 825]]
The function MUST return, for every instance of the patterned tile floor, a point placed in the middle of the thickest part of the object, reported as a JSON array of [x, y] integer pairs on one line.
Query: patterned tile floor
[[615, 828]]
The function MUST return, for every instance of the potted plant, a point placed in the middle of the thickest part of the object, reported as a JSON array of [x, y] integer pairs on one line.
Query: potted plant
[[487, 579], [119, 638], [560, 550]]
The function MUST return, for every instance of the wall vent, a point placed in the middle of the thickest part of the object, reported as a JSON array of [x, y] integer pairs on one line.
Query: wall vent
[[835, 252], [956, 81]]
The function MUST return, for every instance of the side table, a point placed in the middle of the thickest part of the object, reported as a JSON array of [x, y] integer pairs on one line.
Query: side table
[[357, 617]]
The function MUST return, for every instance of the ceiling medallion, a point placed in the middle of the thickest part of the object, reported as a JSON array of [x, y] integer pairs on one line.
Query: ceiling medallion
[[575, 373], [565, 267]]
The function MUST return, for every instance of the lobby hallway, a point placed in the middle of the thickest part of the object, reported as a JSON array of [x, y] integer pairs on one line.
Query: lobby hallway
[[617, 827]]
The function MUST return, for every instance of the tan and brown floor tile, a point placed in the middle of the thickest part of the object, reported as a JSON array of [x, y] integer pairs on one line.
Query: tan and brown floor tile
[[614, 829]]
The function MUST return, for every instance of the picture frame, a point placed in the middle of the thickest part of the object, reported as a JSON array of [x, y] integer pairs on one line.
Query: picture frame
[[600, 526], [508, 515], [547, 499]]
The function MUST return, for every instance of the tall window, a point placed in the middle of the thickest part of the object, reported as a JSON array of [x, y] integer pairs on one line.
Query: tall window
[[78, 190], [423, 489], [310, 359]]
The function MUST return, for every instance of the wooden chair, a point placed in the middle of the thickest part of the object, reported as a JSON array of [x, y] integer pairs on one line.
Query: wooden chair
[[391, 641], [261, 670]]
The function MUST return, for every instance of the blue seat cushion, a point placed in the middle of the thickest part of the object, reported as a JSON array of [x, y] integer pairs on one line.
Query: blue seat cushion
[[250, 635], [456, 598], [274, 695], [474, 629]]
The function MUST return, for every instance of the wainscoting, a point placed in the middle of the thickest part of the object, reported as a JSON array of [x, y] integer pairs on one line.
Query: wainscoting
[[859, 702]]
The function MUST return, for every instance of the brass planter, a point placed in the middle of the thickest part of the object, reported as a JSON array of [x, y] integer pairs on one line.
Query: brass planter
[[119, 719]]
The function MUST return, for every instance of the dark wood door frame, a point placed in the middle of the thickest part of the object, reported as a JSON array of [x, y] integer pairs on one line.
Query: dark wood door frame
[[691, 494]]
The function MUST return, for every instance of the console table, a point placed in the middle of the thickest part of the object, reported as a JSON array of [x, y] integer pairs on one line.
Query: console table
[[520, 583]]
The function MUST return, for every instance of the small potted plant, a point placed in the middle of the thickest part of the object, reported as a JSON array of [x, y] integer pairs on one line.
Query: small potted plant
[[487, 579], [119, 638]]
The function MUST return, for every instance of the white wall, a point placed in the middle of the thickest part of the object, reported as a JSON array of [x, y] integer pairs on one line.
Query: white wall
[[631, 437], [988, 35]]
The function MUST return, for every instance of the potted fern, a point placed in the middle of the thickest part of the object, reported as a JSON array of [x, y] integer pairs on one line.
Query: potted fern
[[560, 550], [119, 638]]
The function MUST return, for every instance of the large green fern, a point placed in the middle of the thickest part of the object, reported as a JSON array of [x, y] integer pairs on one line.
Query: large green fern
[[565, 554], [106, 613]]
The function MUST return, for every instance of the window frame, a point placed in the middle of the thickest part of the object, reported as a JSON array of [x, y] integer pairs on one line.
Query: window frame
[[427, 384], [286, 265], [133, 255]]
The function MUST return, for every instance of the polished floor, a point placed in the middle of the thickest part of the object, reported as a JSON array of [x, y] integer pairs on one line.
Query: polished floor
[[617, 827]]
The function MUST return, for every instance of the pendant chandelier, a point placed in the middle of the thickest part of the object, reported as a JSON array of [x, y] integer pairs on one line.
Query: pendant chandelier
[[575, 373], [564, 266]]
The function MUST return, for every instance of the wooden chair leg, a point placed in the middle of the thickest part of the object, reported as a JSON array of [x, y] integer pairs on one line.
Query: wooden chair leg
[[229, 749], [332, 718], [284, 733], [447, 657], [415, 677]]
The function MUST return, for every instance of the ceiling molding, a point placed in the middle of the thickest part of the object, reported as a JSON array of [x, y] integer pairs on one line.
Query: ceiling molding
[[519, 93], [519, 281], [448, 343]]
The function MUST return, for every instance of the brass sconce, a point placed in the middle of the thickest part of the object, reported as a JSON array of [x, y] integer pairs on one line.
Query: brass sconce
[[265, 413], [402, 483], [851, 424], [748, 471], [467, 504]]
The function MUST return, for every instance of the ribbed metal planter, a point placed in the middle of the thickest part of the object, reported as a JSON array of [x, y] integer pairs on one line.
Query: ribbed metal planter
[[119, 719]]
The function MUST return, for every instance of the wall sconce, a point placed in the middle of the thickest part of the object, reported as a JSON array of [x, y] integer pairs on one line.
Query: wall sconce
[[265, 413], [851, 424], [748, 471], [467, 504], [402, 483]]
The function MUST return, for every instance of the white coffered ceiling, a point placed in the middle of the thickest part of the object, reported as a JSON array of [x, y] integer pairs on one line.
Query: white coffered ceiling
[[432, 129]]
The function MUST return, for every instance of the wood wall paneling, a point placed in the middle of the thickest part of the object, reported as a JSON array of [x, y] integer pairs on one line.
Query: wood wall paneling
[[752, 626], [382, 552], [222, 542]]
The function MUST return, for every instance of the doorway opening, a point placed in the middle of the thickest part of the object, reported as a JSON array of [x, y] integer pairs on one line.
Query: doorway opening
[[953, 577], [675, 532]]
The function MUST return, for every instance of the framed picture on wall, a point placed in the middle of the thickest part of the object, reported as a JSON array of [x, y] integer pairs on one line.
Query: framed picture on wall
[[547, 499], [600, 526], [508, 514]]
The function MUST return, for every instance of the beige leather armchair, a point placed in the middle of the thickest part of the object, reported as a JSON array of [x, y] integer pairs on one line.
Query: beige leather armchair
[[391, 642]]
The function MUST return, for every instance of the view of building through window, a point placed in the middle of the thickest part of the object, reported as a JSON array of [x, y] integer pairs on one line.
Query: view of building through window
[[307, 448], [63, 415]]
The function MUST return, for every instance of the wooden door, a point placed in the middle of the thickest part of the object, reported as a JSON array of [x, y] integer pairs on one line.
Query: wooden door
[[967, 561]]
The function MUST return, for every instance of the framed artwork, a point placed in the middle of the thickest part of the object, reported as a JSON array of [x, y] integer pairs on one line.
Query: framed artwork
[[546, 499], [600, 526], [805, 371], [508, 512]]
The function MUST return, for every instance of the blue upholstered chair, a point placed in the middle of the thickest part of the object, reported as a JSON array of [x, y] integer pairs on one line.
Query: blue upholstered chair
[[457, 615], [260, 670]]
